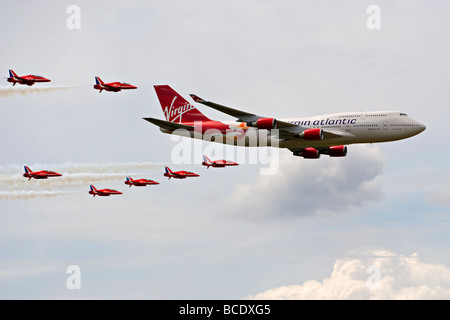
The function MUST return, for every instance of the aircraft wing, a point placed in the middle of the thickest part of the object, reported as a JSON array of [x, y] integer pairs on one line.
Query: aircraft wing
[[241, 115], [168, 125], [286, 129]]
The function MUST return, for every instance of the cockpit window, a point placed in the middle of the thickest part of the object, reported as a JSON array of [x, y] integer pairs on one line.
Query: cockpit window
[[403, 114]]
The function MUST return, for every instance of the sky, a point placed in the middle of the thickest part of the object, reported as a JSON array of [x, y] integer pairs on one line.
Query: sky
[[372, 225]]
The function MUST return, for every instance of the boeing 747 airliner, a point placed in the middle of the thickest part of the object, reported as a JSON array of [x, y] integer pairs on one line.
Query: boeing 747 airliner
[[307, 137]]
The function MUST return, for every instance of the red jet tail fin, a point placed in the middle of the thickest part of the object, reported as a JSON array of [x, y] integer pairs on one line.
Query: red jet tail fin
[[12, 74], [176, 108], [98, 80]]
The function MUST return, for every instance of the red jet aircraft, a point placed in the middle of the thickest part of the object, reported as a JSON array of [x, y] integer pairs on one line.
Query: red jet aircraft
[[179, 174], [112, 86], [139, 182], [103, 192], [217, 163], [44, 174], [29, 80]]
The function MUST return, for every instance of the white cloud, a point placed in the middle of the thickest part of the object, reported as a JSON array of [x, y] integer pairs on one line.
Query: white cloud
[[399, 277], [304, 187]]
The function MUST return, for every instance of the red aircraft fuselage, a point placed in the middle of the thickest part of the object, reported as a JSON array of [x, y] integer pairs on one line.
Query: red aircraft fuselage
[[44, 174], [112, 86], [217, 163], [179, 174], [139, 182], [103, 192], [28, 80]]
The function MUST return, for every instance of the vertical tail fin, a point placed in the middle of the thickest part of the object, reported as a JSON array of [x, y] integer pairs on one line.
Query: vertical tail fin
[[129, 181], [168, 170], [206, 159], [93, 188], [27, 170], [12, 74], [176, 108], [98, 80]]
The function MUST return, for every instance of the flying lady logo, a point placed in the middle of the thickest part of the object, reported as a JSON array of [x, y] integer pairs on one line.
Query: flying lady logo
[[236, 132], [174, 113]]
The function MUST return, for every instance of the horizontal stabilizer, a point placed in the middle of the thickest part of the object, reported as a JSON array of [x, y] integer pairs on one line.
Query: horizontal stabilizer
[[168, 125]]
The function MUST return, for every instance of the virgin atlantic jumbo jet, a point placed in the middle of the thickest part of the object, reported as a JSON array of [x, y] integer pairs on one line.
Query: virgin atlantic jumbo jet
[[307, 137]]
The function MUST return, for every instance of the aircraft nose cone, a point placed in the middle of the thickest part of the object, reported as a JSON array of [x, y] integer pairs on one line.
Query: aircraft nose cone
[[422, 127]]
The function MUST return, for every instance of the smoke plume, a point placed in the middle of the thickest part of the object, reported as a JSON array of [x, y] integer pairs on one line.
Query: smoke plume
[[23, 91], [26, 195]]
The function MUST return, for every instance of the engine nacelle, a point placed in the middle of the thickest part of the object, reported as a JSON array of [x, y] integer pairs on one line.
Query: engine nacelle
[[264, 123], [337, 151], [311, 134], [308, 153]]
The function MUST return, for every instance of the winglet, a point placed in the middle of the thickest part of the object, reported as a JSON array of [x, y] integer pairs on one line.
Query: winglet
[[196, 98]]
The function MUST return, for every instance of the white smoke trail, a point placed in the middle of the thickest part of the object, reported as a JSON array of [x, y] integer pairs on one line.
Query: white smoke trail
[[26, 195], [12, 91], [76, 174], [67, 179], [71, 167]]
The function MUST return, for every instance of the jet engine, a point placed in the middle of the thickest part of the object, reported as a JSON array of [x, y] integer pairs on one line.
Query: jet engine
[[337, 151], [311, 134], [308, 153], [264, 123]]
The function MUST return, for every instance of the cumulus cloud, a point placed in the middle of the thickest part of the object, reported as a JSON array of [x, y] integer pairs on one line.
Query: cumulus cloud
[[378, 274], [301, 187]]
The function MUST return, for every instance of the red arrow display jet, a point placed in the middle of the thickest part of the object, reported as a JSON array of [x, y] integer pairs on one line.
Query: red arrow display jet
[[179, 174], [217, 163], [29, 80], [44, 174], [103, 192], [112, 86], [139, 182]]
